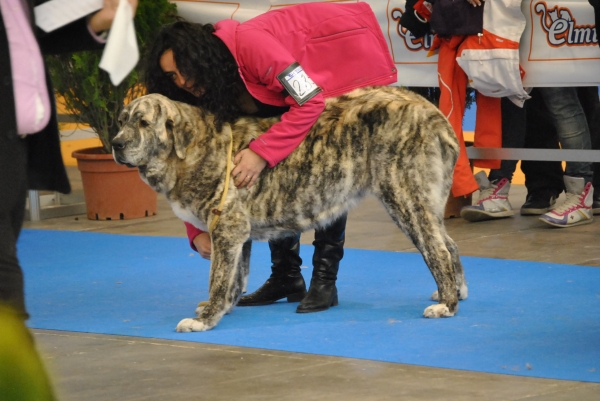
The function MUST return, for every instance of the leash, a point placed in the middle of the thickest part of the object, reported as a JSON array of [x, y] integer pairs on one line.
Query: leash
[[219, 210]]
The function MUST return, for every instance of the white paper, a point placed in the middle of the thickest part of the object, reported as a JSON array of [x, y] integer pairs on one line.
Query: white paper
[[121, 52], [56, 13]]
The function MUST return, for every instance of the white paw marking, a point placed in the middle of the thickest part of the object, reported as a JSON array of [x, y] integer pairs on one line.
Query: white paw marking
[[438, 310], [463, 292], [188, 325], [435, 296]]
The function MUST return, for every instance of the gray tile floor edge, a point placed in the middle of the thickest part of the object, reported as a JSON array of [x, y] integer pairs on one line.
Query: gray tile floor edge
[[100, 367]]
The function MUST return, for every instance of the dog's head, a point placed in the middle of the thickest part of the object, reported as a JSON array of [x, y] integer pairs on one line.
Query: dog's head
[[151, 128]]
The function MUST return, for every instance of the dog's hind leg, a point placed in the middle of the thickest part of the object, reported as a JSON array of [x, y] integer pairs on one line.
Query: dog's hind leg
[[230, 254], [424, 226], [459, 274]]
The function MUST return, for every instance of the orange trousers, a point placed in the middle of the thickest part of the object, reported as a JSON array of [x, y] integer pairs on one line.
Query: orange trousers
[[488, 129]]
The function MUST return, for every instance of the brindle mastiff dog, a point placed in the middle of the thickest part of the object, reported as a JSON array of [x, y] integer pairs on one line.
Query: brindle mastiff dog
[[384, 141]]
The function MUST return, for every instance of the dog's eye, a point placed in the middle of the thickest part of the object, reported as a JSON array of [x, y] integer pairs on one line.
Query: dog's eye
[[144, 123]]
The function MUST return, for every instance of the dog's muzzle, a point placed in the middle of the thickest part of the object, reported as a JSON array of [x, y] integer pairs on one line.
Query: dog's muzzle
[[118, 146]]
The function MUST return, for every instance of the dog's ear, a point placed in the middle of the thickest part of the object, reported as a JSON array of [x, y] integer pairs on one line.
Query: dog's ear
[[177, 128], [182, 136]]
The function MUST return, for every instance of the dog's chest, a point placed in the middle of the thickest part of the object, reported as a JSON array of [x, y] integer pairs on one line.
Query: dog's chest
[[187, 216]]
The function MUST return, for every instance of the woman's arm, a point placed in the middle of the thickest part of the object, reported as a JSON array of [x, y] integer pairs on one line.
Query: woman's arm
[[263, 58], [282, 138], [77, 35], [199, 240]]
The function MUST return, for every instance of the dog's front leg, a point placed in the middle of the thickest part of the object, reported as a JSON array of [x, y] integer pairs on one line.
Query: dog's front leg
[[243, 269], [229, 260]]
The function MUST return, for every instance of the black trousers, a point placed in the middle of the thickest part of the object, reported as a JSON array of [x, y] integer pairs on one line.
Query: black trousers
[[532, 127], [513, 136], [323, 236], [13, 195]]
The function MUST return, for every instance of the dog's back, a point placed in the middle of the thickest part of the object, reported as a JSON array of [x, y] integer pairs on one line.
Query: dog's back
[[363, 140]]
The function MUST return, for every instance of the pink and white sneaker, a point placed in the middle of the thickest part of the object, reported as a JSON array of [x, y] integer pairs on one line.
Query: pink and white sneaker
[[577, 207], [493, 200]]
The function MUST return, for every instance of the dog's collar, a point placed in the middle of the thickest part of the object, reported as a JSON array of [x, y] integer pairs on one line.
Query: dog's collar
[[219, 210]]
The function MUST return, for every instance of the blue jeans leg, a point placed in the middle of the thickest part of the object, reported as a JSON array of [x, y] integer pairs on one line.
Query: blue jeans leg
[[571, 126]]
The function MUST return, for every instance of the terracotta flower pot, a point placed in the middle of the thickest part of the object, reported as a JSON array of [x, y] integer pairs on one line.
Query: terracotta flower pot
[[113, 191]]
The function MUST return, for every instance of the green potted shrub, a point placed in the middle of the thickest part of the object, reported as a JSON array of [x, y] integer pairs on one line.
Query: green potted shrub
[[111, 191]]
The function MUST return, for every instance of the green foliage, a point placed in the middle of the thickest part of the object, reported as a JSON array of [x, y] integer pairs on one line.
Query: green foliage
[[87, 90]]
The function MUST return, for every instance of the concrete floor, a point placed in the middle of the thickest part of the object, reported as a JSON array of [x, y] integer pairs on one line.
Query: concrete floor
[[100, 367]]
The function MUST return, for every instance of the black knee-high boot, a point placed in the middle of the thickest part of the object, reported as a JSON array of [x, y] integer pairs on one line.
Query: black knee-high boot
[[286, 279], [329, 250]]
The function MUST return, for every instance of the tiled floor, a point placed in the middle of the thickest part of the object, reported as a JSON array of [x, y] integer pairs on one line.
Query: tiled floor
[[99, 367]]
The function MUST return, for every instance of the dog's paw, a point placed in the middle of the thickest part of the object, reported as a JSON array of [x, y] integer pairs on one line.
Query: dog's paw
[[463, 292], [435, 296], [438, 310], [188, 325]]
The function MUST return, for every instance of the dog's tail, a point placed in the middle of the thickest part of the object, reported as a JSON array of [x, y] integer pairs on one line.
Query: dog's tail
[[449, 149], [449, 146]]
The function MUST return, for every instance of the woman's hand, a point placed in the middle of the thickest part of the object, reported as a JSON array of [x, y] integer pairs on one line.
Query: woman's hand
[[248, 166], [103, 19], [203, 245], [475, 3]]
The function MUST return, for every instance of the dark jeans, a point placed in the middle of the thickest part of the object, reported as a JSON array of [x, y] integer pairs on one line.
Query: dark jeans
[[13, 194], [571, 126], [590, 101]]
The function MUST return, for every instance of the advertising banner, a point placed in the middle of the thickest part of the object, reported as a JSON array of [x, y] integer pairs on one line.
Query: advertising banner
[[559, 46]]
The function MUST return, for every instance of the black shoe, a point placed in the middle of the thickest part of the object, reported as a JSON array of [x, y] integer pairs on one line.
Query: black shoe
[[274, 289], [329, 250], [286, 281], [596, 205], [321, 296], [538, 203]]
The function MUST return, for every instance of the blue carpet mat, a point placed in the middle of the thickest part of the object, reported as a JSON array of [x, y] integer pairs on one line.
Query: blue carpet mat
[[521, 318]]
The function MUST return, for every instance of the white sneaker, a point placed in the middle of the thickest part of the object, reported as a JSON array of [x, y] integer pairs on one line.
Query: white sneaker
[[493, 200], [577, 207]]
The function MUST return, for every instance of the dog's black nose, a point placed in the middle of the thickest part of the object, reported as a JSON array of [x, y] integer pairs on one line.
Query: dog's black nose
[[118, 144]]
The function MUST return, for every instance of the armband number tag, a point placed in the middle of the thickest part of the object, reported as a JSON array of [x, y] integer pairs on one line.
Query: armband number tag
[[298, 84]]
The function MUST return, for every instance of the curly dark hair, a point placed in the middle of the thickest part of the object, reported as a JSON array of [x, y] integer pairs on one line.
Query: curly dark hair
[[200, 57]]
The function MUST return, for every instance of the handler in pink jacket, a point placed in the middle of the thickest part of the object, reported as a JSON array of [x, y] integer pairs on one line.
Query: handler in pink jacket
[[284, 62]]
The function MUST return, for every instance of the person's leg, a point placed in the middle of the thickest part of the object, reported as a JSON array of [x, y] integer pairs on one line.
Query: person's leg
[[571, 126], [13, 193], [543, 179], [590, 101], [493, 196], [286, 280], [329, 250], [514, 120], [573, 133]]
